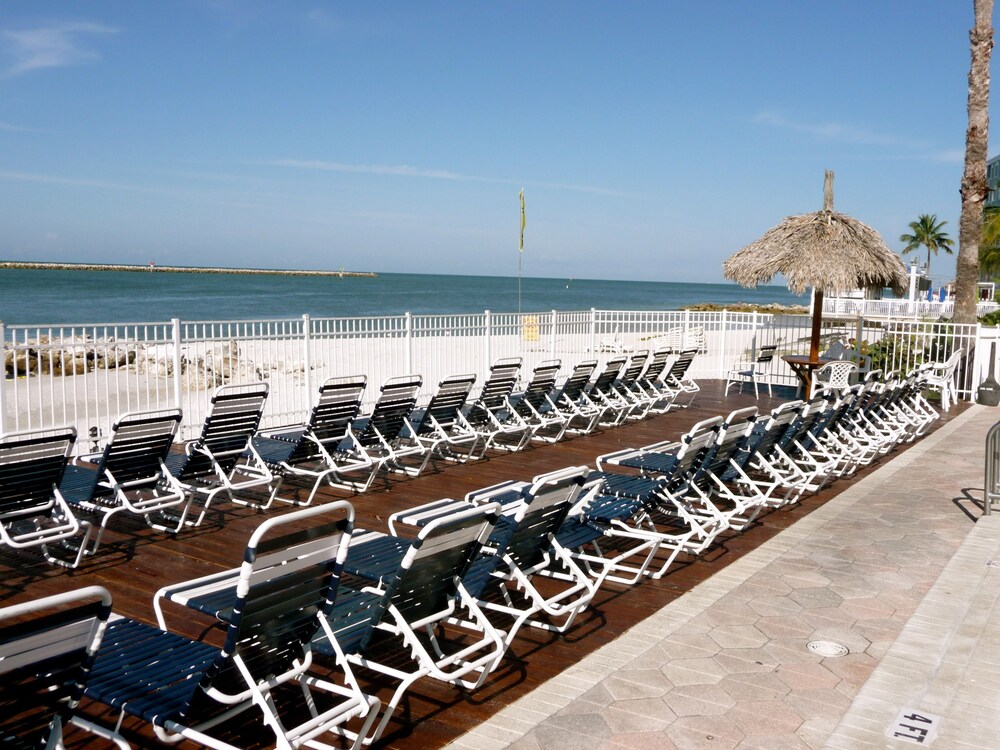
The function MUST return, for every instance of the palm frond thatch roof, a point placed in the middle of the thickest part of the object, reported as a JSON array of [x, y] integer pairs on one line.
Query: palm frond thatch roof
[[825, 249]]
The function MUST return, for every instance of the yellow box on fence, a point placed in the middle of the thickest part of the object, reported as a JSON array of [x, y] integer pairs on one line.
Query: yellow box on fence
[[530, 327]]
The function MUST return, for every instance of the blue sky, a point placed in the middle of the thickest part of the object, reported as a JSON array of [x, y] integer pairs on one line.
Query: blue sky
[[652, 139]]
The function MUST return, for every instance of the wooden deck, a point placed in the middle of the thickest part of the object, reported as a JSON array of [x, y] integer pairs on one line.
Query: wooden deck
[[135, 563]]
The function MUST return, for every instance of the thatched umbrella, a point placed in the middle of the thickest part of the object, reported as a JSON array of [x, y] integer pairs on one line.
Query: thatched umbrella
[[825, 250]]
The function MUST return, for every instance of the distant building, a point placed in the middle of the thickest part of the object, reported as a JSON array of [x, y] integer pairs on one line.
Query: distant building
[[993, 181]]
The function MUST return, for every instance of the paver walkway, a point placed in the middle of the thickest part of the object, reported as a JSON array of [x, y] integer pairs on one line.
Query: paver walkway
[[727, 664]]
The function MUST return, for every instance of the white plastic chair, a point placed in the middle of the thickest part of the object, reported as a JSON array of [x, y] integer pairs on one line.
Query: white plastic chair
[[751, 372], [943, 375], [833, 376]]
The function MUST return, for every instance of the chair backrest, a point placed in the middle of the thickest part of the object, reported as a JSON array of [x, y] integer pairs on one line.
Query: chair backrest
[[951, 364], [606, 379], [140, 443], [543, 382], [728, 443], [31, 466], [445, 405], [680, 365], [766, 353], [657, 364], [573, 387], [427, 580], [500, 384], [289, 577], [46, 649], [338, 406], [233, 418], [636, 364], [697, 447], [547, 501], [838, 373], [395, 402]]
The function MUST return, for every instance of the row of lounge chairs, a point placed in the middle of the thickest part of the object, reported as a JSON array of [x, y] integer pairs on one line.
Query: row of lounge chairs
[[47, 503], [447, 585]]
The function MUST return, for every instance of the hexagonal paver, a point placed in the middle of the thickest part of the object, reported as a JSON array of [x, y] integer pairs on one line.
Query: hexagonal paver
[[699, 700], [623, 685], [769, 717], [866, 609], [647, 715], [816, 598], [805, 580], [731, 613], [789, 626], [738, 636], [693, 671], [817, 703], [769, 606], [735, 660], [807, 675], [754, 686], [705, 733]]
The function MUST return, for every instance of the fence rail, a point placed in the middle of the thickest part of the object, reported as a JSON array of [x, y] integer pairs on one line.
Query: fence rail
[[898, 308], [88, 375]]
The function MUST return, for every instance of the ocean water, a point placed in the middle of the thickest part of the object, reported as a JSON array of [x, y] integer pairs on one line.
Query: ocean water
[[35, 297]]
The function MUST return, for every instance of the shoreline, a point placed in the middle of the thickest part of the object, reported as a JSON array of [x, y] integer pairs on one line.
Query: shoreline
[[38, 266]]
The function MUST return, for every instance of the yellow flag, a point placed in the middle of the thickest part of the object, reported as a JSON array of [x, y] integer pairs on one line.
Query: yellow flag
[[521, 196]]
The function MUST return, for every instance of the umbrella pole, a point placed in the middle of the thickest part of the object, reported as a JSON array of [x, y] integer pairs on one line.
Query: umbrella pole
[[816, 323]]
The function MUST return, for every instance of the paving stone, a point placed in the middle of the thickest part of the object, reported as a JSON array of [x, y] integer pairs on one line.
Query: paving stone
[[750, 686], [647, 715], [699, 700], [806, 675], [693, 671], [623, 686], [737, 636], [705, 733]]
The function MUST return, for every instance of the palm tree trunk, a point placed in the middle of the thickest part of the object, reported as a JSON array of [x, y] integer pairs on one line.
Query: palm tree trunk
[[974, 186]]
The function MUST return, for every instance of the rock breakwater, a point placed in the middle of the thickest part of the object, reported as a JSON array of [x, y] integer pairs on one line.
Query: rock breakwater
[[152, 268]]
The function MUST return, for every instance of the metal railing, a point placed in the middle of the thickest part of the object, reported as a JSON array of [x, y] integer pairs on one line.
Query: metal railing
[[992, 473], [88, 375], [898, 308]]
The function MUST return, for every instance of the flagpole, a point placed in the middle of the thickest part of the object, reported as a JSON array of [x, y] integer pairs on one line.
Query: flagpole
[[520, 253]]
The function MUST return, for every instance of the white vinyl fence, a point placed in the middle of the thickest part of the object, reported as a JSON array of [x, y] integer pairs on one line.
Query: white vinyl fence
[[88, 375]]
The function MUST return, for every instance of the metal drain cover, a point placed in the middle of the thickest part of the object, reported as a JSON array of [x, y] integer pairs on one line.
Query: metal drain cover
[[827, 649]]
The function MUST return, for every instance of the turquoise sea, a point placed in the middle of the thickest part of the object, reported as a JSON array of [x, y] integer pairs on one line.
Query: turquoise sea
[[30, 297]]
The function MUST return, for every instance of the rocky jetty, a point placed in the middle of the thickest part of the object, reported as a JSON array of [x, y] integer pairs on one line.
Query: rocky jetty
[[203, 365], [151, 268], [772, 308]]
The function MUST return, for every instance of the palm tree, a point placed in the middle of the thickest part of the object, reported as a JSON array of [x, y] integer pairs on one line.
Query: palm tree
[[973, 190], [927, 232]]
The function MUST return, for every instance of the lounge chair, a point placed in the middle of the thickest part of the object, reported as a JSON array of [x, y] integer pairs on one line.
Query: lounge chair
[[523, 546], [534, 408], [571, 402], [440, 426], [222, 459], [47, 648], [491, 415], [381, 434], [603, 395], [130, 475], [678, 381], [325, 449], [272, 608], [33, 512], [629, 386], [651, 382], [394, 627]]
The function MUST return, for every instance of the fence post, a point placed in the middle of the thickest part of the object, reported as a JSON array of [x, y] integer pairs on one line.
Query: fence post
[[307, 358], [552, 343], [488, 343], [593, 330], [408, 352], [3, 380], [725, 351], [176, 323]]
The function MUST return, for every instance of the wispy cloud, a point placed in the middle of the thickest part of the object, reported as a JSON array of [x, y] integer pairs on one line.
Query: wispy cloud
[[53, 46], [11, 128], [836, 131], [437, 174], [381, 169]]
